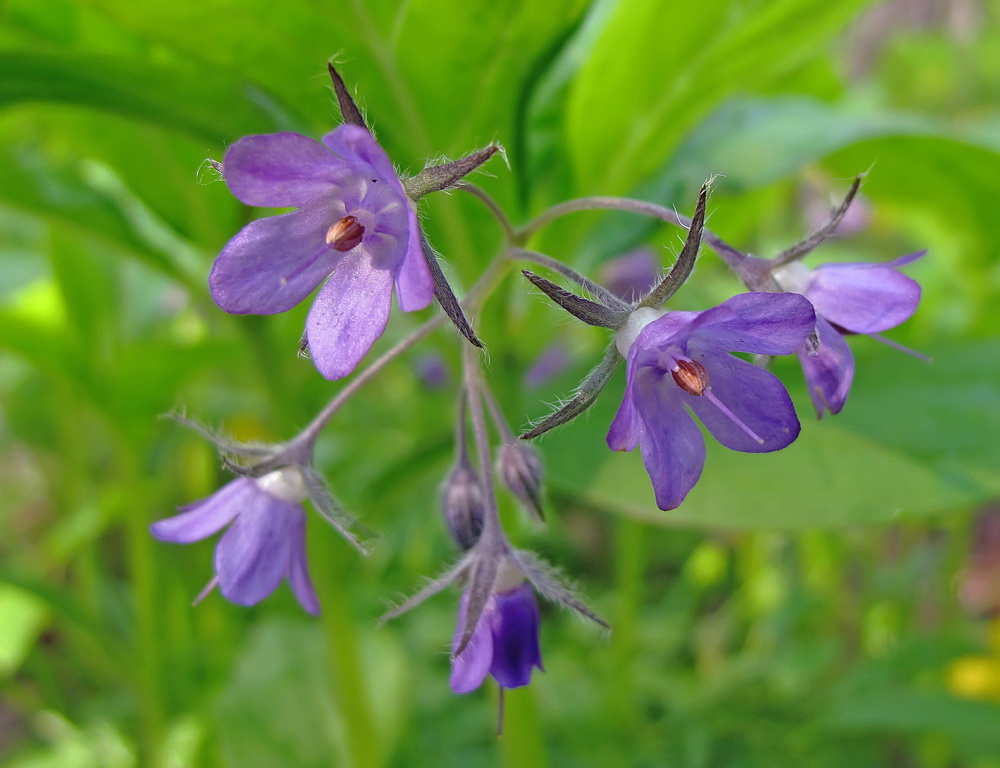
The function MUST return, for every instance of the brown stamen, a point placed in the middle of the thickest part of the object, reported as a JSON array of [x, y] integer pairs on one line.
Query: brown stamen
[[345, 234], [691, 377]]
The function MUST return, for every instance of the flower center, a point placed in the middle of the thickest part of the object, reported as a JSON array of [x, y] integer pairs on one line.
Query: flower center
[[690, 376], [628, 333], [509, 577], [794, 277], [345, 234], [285, 484]]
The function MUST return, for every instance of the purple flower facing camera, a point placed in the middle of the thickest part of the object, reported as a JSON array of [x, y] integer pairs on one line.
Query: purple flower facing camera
[[679, 364], [265, 544], [355, 229], [849, 298]]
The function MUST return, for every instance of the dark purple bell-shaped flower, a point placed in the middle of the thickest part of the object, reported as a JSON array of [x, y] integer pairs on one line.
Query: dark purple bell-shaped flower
[[504, 644]]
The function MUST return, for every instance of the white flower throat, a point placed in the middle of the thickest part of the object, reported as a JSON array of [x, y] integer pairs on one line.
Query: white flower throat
[[286, 484]]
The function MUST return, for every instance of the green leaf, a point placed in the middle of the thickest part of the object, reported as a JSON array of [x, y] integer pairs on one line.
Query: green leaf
[[944, 190], [666, 67], [201, 104], [908, 711], [278, 708], [61, 195]]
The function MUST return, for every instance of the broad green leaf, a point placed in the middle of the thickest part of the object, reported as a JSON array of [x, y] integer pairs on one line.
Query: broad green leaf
[[752, 142], [279, 707], [944, 189], [468, 63], [166, 170], [272, 55], [62, 194], [907, 711], [203, 105], [665, 66]]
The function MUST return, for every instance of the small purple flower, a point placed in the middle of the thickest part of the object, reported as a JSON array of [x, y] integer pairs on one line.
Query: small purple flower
[[504, 644], [355, 227], [680, 362], [848, 298], [265, 543]]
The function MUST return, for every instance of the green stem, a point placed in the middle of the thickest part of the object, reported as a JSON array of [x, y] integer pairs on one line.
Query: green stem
[[349, 686], [522, 744], [142, 576], [733, 257], [630, 573]]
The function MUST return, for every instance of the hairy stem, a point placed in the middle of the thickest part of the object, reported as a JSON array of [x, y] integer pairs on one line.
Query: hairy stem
[[606, 297], [493, 206], [732, 256], [474, 299]]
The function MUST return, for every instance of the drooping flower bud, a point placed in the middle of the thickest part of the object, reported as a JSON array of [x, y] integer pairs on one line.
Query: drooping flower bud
[[463, 505], [520, 469]]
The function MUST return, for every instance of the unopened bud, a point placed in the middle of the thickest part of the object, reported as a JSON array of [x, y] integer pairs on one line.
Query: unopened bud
[[345, 234], [691, 377], [520, 469], [463, 505]]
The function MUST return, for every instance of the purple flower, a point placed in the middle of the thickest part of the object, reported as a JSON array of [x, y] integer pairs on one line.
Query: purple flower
[[679, 362], [849, 298], [355, 227], [504, 644], [265, 543]]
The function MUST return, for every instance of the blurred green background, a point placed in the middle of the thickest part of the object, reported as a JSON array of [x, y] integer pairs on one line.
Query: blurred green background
[[800, 608]]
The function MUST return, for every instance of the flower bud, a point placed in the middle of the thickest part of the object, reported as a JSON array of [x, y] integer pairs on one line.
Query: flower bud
[[520, 469], [463, 505]]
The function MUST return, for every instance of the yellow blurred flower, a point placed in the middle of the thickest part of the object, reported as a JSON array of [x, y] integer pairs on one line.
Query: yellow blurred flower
[[978, 676]]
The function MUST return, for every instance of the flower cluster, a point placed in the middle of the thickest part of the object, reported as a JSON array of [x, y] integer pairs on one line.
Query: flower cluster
[[356, 236]]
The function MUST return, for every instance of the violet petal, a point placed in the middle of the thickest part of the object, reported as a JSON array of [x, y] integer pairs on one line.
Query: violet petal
[[281, 170], [516, 649], [863, 298], [358, 148], [902, 261], [205, 517], [470, 668], [757, 322], [272, 264], [626, 427], [298, 567], [755, 396], [414, 287], [414, 284], [673, 449], [253, 555], [829, 370], [349, 314]]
